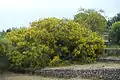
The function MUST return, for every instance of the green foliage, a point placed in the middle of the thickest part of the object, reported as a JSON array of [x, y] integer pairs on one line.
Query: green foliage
[[51, 41], [56, 61], [4, 49], [114, 19], [114, 35], [4, 43], [2, 34], [92, 19]]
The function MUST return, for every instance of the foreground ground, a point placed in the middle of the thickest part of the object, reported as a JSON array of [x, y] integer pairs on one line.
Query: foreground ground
[[13, 76], [97, 65]]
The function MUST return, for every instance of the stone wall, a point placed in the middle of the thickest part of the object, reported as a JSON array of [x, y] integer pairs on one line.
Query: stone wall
[[112, 51], [108, 60], [105, 74]]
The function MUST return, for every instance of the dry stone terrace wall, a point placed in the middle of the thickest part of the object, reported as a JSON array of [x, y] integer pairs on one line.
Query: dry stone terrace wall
[[112, 51], [105, 74], [108, 60]]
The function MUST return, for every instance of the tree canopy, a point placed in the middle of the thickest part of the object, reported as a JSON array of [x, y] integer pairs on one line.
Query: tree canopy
[[92, 19], [114, 19]]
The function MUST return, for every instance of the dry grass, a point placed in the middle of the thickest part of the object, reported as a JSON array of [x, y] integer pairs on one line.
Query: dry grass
[[33, 77], [97, 65]]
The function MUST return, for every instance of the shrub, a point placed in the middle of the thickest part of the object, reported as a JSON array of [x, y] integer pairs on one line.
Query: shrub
[[114, 35], [4, 63], [4, 48], [38, 45]]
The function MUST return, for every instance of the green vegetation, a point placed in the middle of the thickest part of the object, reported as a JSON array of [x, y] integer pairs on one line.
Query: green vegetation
[[114, 19], [114, 35], [52, 42], [2, 34], [113, 30], [92, 19]]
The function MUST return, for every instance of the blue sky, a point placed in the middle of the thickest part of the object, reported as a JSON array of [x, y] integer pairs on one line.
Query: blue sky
[[16, 13]]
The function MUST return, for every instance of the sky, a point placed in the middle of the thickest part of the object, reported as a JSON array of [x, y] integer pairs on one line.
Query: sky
[[19, 13]]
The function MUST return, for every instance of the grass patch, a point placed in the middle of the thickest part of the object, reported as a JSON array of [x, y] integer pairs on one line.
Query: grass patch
[[95, 65]]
